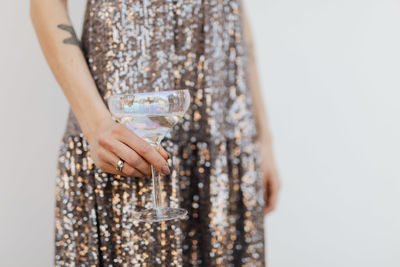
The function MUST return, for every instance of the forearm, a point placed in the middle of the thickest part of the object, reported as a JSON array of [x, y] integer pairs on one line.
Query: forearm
[[65, 58], [254, 84]]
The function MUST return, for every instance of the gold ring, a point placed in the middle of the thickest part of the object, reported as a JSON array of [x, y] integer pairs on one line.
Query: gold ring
[[120, 165]]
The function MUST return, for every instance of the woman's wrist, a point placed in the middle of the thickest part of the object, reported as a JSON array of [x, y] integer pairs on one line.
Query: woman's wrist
[[96, 125]]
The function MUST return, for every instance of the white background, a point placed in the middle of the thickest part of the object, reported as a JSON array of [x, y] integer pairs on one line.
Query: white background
[[331, 77]]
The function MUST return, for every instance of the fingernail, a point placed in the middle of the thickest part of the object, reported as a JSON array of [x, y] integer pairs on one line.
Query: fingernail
[[169, 155], [165, 170]]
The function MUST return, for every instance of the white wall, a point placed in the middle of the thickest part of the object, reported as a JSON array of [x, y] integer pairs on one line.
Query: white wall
[[330, 70], [33, 113], [331, 73]]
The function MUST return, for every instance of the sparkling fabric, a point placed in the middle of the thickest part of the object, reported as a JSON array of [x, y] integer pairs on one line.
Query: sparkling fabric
[[136, 46]]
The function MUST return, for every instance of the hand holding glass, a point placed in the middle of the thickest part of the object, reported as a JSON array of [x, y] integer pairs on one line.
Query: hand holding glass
[[151, 115]]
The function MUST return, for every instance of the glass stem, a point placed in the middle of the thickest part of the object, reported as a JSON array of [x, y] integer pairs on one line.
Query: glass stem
[[156, 188], [157, 203]]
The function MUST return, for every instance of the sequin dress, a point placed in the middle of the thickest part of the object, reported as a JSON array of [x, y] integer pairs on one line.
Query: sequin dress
[[136, 46]]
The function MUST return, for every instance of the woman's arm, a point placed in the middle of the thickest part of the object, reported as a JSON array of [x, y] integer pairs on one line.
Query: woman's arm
[[64, 56], [109, 141], [271, 178]]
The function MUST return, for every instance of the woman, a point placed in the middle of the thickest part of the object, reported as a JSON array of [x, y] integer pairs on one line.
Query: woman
[[217, 170]]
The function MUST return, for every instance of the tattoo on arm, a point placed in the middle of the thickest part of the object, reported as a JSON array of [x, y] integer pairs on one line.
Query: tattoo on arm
[[72, 40]]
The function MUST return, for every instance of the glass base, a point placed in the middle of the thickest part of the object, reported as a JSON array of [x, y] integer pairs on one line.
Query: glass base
[[160, 214]]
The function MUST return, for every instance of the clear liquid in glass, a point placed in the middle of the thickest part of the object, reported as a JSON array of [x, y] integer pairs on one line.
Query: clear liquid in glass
[[151, 128], [150, 116]]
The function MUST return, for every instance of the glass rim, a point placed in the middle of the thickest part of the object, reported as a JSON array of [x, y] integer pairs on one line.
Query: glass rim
[[127, 94]]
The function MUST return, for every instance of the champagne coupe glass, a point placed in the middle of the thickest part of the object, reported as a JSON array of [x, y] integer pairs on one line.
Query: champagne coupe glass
[[151, 115]]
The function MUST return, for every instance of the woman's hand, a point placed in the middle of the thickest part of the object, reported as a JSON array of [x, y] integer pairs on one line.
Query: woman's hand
[[114, 141], [271, 179]]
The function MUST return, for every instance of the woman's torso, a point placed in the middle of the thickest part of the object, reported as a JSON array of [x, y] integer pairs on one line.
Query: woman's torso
[[136, 46]]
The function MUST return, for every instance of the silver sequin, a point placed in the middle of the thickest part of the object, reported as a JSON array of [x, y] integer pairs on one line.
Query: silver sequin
[[135, 46]]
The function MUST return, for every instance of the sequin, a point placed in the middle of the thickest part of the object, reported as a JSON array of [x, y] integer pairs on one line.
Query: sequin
[[136, 46]]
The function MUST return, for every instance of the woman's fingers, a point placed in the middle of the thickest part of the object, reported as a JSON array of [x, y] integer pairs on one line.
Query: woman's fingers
[[163, 153], [121, 143], [127, 169], [144, 149], [110, 162], [131, 157], [271, 194], [271, 201]]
